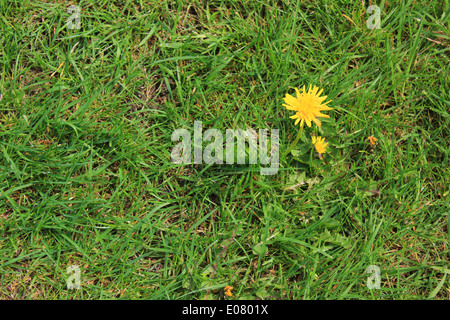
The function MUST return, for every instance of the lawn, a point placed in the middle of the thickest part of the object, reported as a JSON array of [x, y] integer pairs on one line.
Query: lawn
[[92, 205]]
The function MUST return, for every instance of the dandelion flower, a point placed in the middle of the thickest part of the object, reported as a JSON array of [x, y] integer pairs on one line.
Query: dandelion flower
[[372, 140], [319, 144], [228, 292], [308, 106]]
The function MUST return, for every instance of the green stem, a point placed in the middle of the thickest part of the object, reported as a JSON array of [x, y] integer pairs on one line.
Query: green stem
[[293, 144]]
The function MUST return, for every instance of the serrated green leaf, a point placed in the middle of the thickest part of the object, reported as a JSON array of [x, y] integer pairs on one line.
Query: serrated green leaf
[[260, 249]]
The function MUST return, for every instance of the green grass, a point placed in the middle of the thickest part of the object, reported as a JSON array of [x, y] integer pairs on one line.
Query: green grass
[[87, 178]]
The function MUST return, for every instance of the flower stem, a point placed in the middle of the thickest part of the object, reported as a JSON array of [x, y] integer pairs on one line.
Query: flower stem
[[293, 144]]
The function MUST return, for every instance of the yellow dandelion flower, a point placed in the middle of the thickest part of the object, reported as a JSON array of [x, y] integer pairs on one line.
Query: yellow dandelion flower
[[308, 106], [319, 144], [372, 140], [228, 292]]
